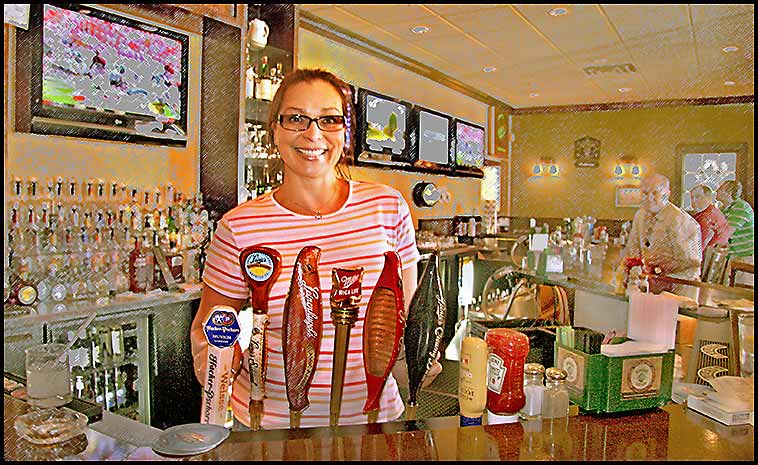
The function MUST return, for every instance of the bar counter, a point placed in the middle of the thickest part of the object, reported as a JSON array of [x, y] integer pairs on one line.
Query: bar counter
[[669, 433]]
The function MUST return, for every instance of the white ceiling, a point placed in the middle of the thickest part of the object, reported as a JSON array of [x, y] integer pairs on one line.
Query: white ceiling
[[675, 50]]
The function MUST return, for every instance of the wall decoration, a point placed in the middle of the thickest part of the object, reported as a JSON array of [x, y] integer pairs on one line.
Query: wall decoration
[[586, 152], [628, 196]]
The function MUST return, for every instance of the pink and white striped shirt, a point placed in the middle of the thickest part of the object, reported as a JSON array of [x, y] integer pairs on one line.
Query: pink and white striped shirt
[[374, 219]]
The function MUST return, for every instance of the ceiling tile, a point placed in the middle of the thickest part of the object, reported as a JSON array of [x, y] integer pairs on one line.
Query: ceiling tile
[[583, 30], [647, 22], [447, 9], [703, 13], [438, 27], [500, 18], [468, 53]]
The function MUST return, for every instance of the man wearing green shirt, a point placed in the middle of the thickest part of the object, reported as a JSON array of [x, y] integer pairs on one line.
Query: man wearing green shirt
[[739, 214]]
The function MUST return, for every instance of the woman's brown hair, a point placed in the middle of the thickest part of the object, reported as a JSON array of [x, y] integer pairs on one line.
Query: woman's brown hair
[[348, 110]]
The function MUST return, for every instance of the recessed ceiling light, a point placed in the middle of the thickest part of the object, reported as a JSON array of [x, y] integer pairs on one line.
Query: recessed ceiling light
[[420, 29], [489, 69], [534, 94], [624, 90], [729, 83], [558, 12], [730, 49]]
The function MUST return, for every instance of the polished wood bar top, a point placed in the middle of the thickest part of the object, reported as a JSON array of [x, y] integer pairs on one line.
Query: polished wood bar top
[[669, 433]]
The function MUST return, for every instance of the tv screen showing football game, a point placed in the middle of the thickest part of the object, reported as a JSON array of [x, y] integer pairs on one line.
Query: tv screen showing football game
[[469, 145], [96, 61]]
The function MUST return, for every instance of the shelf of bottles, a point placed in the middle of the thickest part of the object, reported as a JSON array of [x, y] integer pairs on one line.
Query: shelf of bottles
[[263, 165], [263, 75], [72, 240]]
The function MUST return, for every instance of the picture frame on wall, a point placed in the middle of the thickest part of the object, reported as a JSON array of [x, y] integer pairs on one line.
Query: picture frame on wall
[[628, 196]]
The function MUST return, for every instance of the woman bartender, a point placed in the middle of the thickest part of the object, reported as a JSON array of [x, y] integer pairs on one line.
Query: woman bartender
[[353, 223]]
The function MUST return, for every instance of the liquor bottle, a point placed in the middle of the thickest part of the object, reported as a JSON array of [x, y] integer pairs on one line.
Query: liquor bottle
[[264, 184], [78, 289], [250, 77], [138, 268], [265, 77], [275, 80], [44, 285], [117, 343], [117, 278], [98, 388], [93, 339], [171, 221], [110, 390], [119, 378], [189, 259], [147, 249], [102, 285], [74, 361], [58, 288], [257, 83]]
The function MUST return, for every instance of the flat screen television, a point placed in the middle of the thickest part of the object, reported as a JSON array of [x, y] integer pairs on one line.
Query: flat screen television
[[434, 138], [469, 146], [384, 125], [98, 74]]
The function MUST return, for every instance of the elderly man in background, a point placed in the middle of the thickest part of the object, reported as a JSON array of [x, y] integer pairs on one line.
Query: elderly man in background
[[714, 228], [666, 238], [739, 214]]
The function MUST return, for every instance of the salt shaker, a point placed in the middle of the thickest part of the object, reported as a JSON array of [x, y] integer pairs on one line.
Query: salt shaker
[[533, 390], [555, 399]]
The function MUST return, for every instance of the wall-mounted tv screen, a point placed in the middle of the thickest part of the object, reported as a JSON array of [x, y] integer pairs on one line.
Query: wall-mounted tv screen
[[383, 128], [469, 145], [434, 138], [102, 75]]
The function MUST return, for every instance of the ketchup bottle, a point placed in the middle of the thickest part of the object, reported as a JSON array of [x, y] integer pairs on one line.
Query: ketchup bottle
[[505, 374]]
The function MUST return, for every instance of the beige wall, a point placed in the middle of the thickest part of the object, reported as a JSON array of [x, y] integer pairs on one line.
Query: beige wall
[[650, 134], [363, 70], [144, 166]]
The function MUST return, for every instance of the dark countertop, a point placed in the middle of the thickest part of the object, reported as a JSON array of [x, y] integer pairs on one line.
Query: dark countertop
[[669, 433]]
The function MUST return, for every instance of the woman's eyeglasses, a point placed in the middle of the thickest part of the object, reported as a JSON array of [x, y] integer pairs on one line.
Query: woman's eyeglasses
[[295, 122]]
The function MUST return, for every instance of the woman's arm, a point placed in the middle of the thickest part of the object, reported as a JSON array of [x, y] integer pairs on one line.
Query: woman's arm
[[208, 299]]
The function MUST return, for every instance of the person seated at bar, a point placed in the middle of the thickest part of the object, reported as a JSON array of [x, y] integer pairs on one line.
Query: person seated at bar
[[714, 228], [739, 215], [353, 223], [665, 237]]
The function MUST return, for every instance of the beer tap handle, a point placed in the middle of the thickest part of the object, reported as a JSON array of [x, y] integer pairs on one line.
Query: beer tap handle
[[261, 267]]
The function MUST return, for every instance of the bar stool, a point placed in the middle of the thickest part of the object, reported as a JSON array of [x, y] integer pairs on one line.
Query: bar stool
[[715, 264], [740, 267]]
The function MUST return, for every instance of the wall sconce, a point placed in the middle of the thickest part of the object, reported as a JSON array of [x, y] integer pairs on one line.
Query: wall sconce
[[627, 167], [545, 168]]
